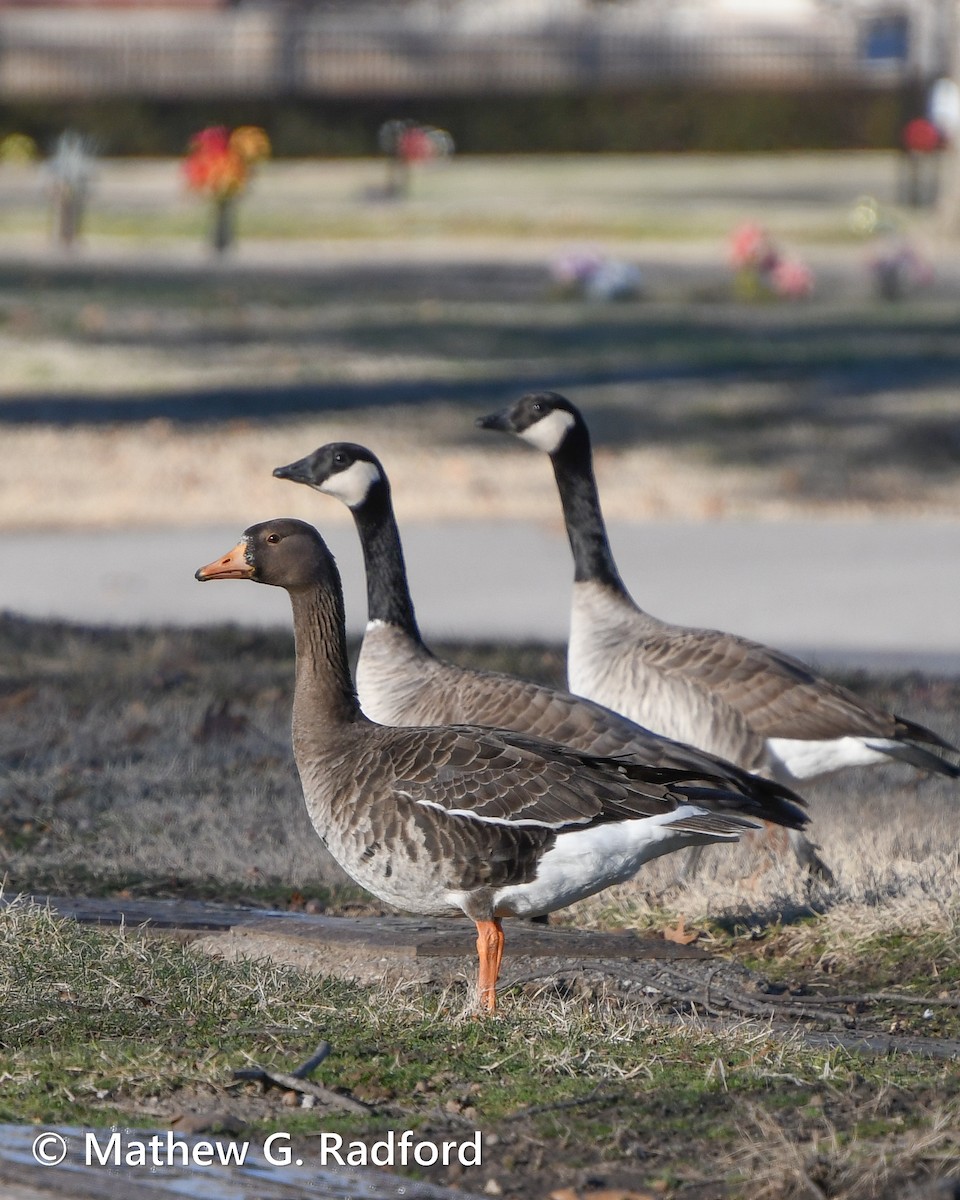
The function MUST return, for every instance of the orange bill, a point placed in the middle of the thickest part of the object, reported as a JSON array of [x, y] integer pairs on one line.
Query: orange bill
[[232, 566]]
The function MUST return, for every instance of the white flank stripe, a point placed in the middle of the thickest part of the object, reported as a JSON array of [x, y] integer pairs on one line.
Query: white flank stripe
[[806, 759], [472, 815]]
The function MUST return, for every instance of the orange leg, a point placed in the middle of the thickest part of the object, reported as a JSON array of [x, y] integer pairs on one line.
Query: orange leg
[[490, 953]]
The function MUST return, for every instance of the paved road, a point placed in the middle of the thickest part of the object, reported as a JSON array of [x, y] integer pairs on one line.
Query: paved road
[[852, 593]]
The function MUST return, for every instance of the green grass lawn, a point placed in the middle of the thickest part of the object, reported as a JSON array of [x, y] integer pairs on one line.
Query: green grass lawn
[[806, 197], [111, 1028]]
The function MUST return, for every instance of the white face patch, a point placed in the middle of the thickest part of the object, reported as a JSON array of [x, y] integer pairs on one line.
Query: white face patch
[[548, 433], [353, 485]]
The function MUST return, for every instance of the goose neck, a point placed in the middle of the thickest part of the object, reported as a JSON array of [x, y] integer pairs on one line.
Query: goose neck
[[388, 593], [324, 695], [586, 529]]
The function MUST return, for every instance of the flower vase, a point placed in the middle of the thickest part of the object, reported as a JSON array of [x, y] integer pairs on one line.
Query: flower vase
[[224, 223], [69, 213], [398, 178]]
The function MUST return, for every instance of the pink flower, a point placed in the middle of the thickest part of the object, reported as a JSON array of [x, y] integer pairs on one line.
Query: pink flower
[[792, 279], [415, 145], [574, 270], [750, 246]]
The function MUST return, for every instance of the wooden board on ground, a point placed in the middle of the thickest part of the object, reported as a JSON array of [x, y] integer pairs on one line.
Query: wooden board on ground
[[23, 1178], [382, 937]]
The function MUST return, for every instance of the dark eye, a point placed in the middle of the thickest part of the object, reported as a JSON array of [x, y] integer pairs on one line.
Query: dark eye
[[273, 538], [339, 459], [538, 407]]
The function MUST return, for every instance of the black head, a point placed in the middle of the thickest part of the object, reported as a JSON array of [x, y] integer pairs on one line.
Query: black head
[[544, 419], [341, 469], [284, 553]]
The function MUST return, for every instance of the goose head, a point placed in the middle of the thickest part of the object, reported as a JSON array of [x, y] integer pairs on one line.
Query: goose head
[[342, 469], [544, 419], [284, 553]]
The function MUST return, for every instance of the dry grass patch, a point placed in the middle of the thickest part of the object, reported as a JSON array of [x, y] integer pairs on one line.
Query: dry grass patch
[[120, 767], [167, 396], [110, 1027], [832, 1164], [161, 759]]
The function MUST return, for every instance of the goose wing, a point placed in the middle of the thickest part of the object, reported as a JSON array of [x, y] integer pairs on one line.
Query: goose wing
[[502, 701], [481, 807], [778, 695], [507, 779]]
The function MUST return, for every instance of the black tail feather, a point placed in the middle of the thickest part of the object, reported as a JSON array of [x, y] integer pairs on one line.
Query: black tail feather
[[918, 756]]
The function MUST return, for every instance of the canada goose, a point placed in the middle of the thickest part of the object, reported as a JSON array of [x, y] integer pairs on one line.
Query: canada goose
[[754, 705], [400, 682], [449, 819]]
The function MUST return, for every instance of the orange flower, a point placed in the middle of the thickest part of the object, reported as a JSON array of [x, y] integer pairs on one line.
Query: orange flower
[[250, 142]]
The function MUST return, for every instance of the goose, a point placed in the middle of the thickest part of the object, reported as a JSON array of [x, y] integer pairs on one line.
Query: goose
[[401, 682], [757, 706], [461, 819]]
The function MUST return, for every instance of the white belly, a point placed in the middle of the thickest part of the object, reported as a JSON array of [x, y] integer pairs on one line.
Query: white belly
[[585, 861], [798, 759]]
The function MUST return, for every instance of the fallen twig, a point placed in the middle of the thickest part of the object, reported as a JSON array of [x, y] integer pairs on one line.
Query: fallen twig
[[885, 998], [535, 1110], [296, 1081], [717, 997], [313, 1062]]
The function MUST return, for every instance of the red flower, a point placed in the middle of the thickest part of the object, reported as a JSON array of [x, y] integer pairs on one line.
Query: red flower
[[213, 165], [215, 139], [921, 136]]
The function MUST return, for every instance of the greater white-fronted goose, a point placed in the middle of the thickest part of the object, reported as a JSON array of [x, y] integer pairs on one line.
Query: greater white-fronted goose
[[460, 819], [754, 705], [401, 682]]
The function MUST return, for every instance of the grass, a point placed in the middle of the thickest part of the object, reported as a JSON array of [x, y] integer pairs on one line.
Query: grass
[[158, 763], [701, 406], [120, 763], [917, 950], [107, 1028], [611, 197], [416, 222], [120, 770], [697, 411], [704, 406]]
